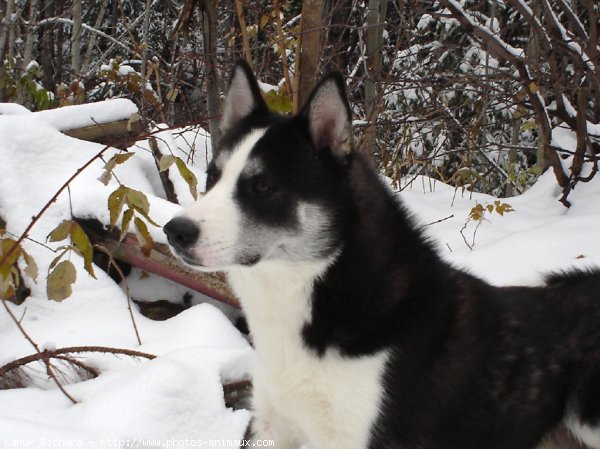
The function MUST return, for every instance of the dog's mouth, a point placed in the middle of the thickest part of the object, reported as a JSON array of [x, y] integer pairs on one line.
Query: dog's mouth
[[192, 261], [185, 257], [249, 261]]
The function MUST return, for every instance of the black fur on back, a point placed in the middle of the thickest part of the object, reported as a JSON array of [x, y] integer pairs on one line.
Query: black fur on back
[[472, 366], [572, 277]]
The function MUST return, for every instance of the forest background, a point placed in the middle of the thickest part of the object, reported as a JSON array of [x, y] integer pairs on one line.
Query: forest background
[[474, 93]]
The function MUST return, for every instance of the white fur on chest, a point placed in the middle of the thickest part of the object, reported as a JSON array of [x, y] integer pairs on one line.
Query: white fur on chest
[[328, 402]]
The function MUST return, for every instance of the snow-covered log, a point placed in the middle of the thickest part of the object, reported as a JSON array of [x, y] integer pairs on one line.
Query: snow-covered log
[[102, 122]]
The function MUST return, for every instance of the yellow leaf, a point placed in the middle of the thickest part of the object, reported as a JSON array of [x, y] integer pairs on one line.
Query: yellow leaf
[[60, 281], [127, 216], [31, 268], [6, 246], [188, 177], [263, 21], [533, 87], [138, 201], [144, 235], [116, 200], [61, 232], [165, 162], [172, 94], [82, 243]]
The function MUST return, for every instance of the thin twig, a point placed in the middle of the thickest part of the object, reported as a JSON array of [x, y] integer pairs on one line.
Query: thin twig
[[56, 353], [439, 221], [20, 327], [50, 372], [52, 200], [54, 20], [116, 266], [463, 235]]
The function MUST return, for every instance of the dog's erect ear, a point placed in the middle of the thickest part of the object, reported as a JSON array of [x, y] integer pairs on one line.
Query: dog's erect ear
[[329, 117], [243, 97]]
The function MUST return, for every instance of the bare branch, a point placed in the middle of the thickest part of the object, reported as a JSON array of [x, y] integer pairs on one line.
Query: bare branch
[[54, 20]]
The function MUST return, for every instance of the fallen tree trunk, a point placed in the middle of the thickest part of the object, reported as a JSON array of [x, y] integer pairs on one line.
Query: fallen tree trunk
[[107, 133], [161, 262], [103, 122]]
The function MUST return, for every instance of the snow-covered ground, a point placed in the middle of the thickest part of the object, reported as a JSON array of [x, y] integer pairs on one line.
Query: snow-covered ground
[[178, 395]]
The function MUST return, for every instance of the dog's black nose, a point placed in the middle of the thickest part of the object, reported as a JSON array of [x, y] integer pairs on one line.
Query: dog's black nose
[[181, 232]]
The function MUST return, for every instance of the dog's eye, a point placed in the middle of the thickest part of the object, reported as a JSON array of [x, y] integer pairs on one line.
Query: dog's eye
[[260, 187]]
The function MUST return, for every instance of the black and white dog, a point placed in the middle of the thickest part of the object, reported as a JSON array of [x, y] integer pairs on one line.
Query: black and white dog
[[364, 337]]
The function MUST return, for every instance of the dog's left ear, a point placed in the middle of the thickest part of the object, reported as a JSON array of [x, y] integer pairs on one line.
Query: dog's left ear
[[329, 117]]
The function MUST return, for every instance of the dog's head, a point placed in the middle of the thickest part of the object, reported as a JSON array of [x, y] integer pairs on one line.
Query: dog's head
[[275, 185]]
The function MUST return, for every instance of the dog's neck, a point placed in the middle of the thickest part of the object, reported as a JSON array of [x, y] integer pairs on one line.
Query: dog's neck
[[276, 294]]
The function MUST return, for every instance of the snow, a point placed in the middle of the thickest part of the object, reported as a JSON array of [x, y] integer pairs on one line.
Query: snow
[[79, 116], [13, 109], [518, 248], [592, 128], [175, 396], [516, 52], [176, 399]]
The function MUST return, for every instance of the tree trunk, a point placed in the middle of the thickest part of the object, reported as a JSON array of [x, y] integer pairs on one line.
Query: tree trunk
[[3, 29], [289, 88], [92, 40], [7, 31], [377, 11], [309, 51], [338, 33], [209, 35], [48, 35], [239, 6], [145, 33], [28, 51], [76, 39]]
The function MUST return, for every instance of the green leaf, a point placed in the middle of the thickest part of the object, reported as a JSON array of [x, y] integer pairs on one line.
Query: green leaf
[[31, 268], [116, 201], [7, 290], [61, 232], [122, 157], [111, 164], [60, 256], [7, 245], [60, 281], [144, 235], [116, 160], [134, 199], [147, 217], [127, 216], [165, 162], [138, 201], [278, 101], [188, 177], [82, 243]]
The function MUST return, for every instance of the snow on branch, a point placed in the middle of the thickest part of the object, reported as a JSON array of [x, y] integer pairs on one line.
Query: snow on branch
[[54, 20], [540, 74], [567, 38], [483, 33]]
